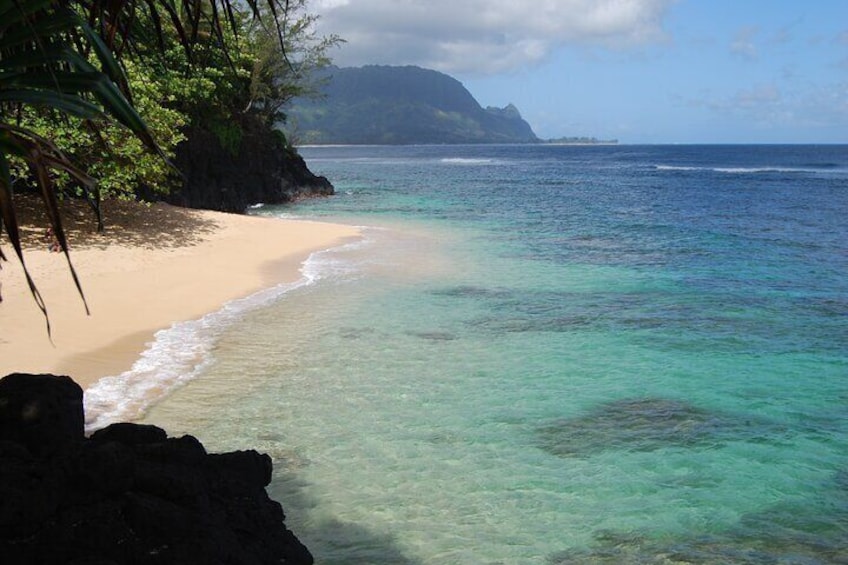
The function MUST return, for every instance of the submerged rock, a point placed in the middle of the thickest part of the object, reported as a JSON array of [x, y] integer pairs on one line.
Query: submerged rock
[[128, 494], [434, 335], [646, 424], [738, 546]]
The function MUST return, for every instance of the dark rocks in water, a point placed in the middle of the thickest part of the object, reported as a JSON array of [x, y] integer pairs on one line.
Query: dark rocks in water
[[128, 494], [471, 291], [260, 168], [646, 424], [434, 335], [617, 549], [764, 547]]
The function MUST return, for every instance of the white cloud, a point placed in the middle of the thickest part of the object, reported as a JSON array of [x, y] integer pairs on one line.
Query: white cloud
[[758, 100], [757, 97], [483, 36], [743, 43], [767, 106]]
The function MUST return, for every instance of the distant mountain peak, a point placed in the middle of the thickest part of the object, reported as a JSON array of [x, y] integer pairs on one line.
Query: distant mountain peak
[[509, 111], [378, 104]]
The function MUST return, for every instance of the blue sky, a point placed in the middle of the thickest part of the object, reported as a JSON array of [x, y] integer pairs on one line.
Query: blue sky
[[640, 71]]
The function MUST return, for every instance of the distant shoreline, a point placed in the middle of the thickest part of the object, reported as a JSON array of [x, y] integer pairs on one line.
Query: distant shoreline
[[516, 144], [581, 143], [602, 144]]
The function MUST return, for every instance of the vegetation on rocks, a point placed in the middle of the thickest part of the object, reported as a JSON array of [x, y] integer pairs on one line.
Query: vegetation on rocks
[[95, 96]]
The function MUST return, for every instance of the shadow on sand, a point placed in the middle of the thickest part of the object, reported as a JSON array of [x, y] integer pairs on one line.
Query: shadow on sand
[[148, 226]]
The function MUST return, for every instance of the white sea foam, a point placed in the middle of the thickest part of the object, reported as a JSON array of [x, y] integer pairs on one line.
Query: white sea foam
[[750, 170], [676, 168], [466, 161], [754, 170], [180, 353]]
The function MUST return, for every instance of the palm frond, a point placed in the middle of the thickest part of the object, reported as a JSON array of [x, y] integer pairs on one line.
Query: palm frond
[[41, 156], [41, 67], [10, 224], [61, 55]]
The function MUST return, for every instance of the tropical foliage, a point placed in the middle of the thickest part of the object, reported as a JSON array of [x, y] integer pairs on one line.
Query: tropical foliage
[[101, 146], [78, 76]]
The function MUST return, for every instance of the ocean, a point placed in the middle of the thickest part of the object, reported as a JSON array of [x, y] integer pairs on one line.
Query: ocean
[[544, 354]]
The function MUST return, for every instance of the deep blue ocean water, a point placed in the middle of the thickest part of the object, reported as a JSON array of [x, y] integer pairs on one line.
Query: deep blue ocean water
[[550, 354]]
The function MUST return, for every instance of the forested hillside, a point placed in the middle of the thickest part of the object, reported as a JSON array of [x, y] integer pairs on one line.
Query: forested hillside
[[401, 105]]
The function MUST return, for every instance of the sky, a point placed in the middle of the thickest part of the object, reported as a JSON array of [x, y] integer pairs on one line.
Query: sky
[[639, 71]]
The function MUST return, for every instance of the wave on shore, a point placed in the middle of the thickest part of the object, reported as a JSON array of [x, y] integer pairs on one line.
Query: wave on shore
[[180, 353]]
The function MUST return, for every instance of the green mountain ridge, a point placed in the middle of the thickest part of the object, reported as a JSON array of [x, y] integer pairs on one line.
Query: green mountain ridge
[[401, 105]]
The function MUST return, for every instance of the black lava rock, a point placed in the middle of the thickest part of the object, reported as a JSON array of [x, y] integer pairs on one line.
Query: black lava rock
[[129, 494]]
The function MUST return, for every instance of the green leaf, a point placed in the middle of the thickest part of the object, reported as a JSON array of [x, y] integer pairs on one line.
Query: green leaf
[[13, 12], [118, 107], [67, 102], [31, 57], [59, 81], [110, 66], [39, 30]]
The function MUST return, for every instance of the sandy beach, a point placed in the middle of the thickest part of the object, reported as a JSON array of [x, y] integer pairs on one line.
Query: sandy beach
[[152, 267]]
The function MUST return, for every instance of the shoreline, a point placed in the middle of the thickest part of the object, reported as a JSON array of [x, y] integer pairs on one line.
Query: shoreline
[[137, 285]]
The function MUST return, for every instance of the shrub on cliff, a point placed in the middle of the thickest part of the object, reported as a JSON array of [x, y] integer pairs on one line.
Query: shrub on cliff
[[66, 101]]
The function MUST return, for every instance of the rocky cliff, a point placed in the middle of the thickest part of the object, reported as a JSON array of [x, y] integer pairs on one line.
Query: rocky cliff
[[254, 167], [128, 494]]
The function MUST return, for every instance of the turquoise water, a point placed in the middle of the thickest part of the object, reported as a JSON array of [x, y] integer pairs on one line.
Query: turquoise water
[[550, 355]]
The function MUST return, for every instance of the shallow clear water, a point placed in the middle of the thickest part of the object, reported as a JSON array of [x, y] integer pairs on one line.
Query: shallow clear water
[[551, 355]]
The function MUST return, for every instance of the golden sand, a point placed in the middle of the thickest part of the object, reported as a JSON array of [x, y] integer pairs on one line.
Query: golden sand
[[152, 267]]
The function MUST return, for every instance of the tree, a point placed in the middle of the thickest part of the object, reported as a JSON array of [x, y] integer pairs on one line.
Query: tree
[[281, 73], [63, 56], [100, 146]]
